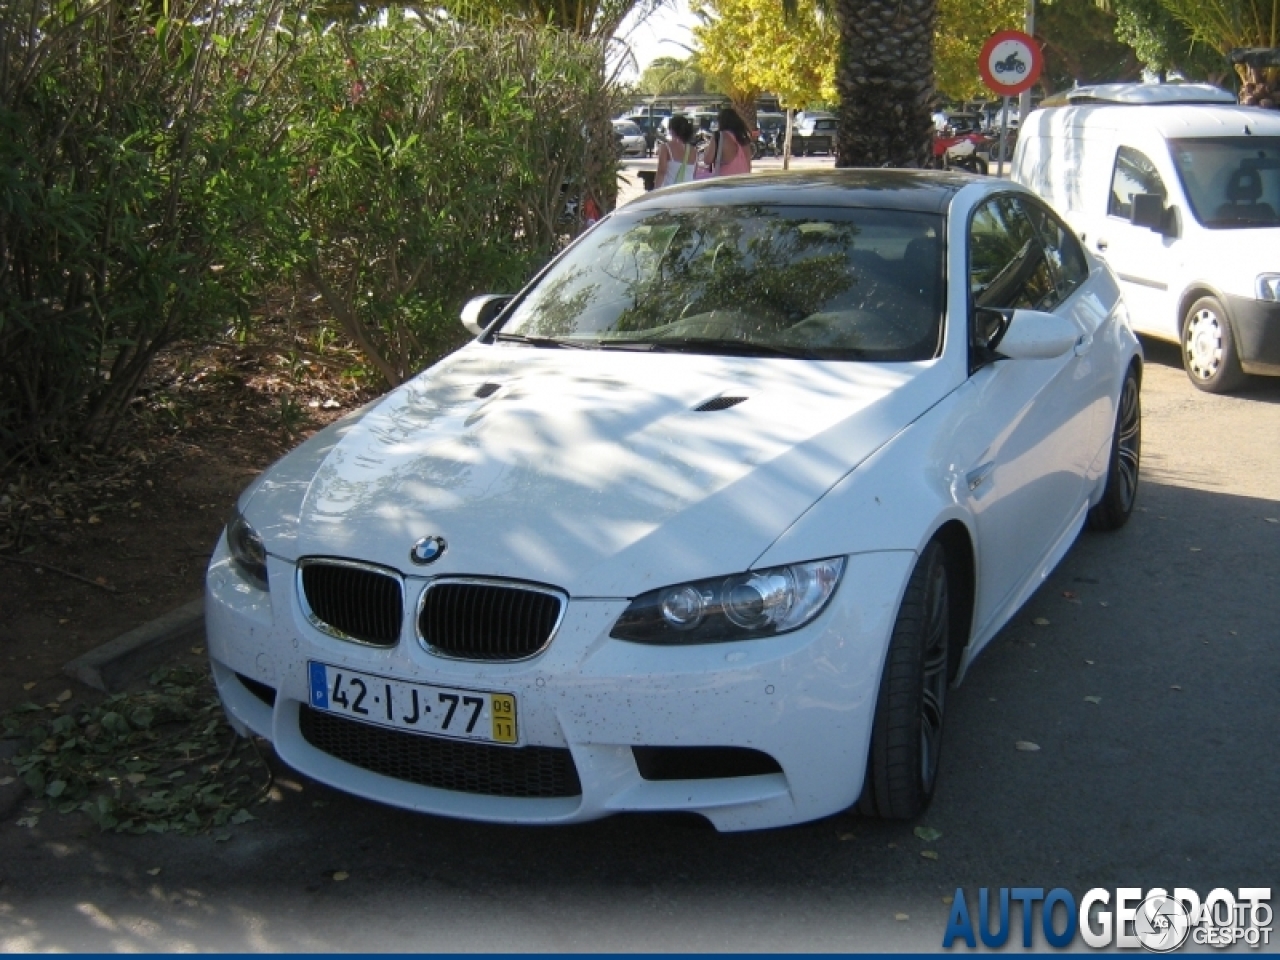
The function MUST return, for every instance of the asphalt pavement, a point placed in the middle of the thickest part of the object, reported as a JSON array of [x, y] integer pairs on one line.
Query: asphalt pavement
[[1145, 670]]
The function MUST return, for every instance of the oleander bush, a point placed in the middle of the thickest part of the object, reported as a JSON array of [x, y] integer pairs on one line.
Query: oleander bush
[[164, 166]]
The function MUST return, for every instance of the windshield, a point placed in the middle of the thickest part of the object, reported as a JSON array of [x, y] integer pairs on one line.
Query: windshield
[[1230, 182], [847, 284]]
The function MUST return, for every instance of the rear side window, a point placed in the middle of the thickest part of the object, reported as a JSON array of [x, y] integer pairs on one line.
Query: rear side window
[[1065, 256], [1133, 173]]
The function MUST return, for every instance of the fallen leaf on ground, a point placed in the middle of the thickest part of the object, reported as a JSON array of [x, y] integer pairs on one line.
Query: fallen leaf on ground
[[902, 916], [846, 836], [136, 778], [1069, 594], [1273, 519], [1027, 746], [64, 696], [893, 846], [197, 650], [1040, 622], [929, 854], [154, 872], [1094, 699], [1103, 603], [339, 875], [1195, 549], [29, 686], [95, 519], [5, 781], [927, 834], [1090, 662], [28, 822], [948, 900]]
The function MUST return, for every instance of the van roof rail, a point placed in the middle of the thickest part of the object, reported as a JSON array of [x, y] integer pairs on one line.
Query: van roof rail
[[1141, 94]]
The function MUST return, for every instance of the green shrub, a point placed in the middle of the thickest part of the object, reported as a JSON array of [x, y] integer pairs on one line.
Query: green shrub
[[432, 161], [137, 186]]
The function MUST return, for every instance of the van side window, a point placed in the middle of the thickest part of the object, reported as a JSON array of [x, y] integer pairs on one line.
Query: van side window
[[1133, 173], [1067, 262], [1007, 263]]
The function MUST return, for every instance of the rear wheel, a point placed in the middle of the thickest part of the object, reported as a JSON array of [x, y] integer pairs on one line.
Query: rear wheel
[[1209, 348], [906, 737], [1113, 510]]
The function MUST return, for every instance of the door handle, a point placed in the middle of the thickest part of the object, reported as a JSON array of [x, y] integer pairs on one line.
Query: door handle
[[1083, 344], [1100, 244]]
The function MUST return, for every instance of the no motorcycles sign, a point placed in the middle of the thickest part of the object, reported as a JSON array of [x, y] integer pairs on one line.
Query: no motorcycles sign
[[1010, 62]]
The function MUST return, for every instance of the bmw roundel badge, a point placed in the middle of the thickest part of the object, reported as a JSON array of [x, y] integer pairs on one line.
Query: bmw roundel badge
[[428, 550]]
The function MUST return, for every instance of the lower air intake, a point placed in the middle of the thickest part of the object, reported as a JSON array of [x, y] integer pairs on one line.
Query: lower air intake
[[446, 764]]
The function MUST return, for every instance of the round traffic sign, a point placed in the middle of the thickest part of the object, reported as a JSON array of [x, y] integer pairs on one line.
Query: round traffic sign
[[1010, 62]]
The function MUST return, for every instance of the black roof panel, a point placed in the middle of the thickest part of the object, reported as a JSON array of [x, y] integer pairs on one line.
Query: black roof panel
[[926, 191]]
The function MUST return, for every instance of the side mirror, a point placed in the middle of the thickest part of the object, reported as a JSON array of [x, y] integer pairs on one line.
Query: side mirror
[[1035, 335], [480, 312], [1148, 211]]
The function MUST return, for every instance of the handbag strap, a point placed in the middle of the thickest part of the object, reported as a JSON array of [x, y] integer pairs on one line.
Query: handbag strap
[[684, 162]]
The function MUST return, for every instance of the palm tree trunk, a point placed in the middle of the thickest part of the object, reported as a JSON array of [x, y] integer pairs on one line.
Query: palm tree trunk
[[885, 79]]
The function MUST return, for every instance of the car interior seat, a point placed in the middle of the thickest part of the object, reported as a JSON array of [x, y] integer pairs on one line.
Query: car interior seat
[[1244, 190]]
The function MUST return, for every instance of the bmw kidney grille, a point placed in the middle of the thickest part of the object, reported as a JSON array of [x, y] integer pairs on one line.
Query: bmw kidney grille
[[353, 601], [487, 620]]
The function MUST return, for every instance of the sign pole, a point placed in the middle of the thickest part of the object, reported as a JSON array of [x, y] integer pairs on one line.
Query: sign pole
[[1004, 131]]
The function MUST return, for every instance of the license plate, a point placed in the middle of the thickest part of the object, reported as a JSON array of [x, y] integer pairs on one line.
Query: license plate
[[422, 708]]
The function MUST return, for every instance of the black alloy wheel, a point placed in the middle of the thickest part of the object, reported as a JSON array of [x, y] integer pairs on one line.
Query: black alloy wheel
[[906, 738], [1113, 510]]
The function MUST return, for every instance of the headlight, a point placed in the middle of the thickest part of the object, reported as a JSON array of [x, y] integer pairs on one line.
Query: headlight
[[248, 552], [1269, 286], [759, 603]]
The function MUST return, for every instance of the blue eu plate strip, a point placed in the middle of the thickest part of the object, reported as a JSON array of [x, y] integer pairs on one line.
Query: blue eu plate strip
[[319, 686]]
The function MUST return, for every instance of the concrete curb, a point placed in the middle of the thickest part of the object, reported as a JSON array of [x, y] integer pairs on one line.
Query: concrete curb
[[109, 667]]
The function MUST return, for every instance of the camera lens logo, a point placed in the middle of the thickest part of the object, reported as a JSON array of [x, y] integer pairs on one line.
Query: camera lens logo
[[1161, 924]]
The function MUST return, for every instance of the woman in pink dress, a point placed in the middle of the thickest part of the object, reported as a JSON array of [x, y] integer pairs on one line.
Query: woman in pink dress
[[732, 146]]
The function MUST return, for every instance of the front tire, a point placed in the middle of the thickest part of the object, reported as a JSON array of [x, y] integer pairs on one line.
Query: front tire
[[906, 737], [1113, 510], [1209, 348]]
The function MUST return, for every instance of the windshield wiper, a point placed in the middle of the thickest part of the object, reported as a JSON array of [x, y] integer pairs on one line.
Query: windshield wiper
[[542, 341], [714, 345]]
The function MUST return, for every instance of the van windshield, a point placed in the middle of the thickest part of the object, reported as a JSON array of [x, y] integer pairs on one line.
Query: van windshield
[[1230, 182]]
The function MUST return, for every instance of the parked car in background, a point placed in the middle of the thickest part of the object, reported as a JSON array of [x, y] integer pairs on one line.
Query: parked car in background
[[813, 133], [1178, 188], [708, 518], [630, 137]]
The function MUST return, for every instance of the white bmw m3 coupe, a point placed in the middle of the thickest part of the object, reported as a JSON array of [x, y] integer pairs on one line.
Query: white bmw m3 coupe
[[711, 517]]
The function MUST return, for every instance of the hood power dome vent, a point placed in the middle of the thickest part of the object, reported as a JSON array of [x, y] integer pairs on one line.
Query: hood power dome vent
[[718, 403], [487, 389]]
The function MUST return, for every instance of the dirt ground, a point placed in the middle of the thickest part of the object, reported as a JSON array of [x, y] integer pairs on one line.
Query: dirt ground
[[105, 543]]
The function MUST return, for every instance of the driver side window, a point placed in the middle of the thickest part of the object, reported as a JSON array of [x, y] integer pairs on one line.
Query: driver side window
[[1007, 265], [1133, 173]]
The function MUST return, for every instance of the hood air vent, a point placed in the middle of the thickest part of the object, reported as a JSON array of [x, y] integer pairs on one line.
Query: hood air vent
[[487, 389], [718, 403]]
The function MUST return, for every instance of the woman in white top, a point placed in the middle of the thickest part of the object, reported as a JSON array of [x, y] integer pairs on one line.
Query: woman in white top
[[678, 156]]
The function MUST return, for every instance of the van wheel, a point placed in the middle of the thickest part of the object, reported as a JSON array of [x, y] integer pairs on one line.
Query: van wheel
[[1209, 349], [906, 736]]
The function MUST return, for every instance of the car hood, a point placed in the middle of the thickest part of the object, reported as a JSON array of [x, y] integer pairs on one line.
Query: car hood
[[593, 471]]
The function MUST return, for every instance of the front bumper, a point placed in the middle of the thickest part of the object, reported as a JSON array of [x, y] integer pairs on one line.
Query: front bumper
[[806, 699], [1256, 324]]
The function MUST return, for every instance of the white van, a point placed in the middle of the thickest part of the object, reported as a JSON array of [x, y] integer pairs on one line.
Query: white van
[[1178, 188]]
